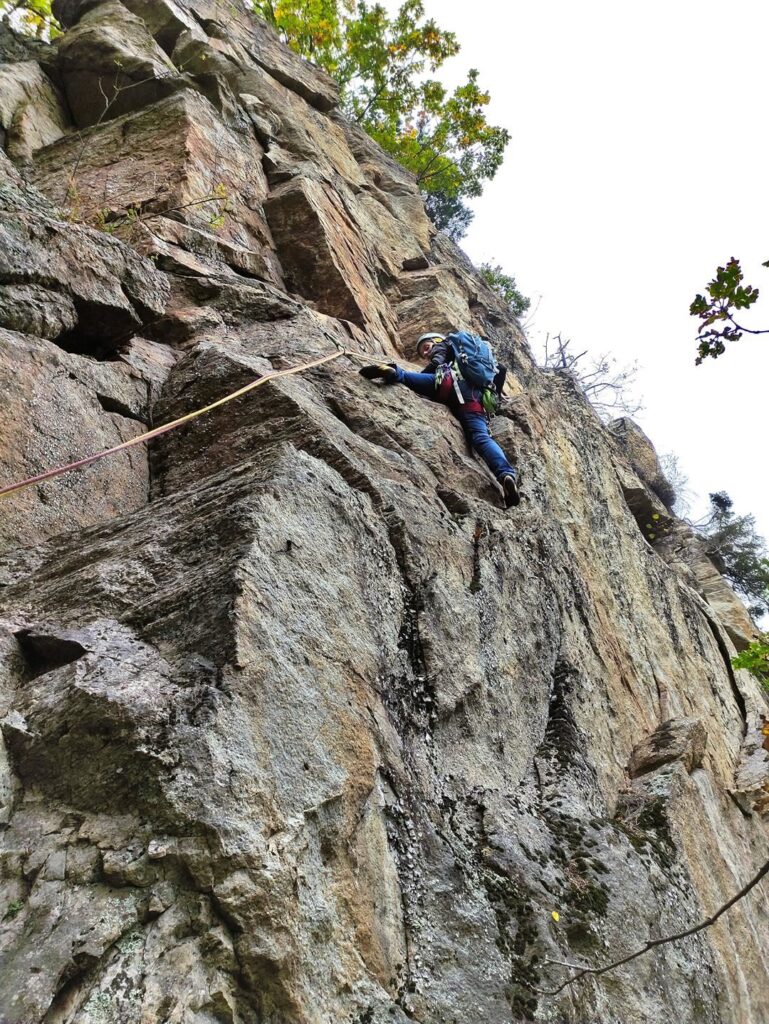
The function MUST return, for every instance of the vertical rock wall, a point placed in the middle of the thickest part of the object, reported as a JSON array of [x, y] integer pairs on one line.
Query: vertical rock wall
[[299, 725]]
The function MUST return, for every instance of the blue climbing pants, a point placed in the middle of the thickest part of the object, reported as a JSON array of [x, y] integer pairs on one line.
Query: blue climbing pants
[[477, 432], [474, 424], [422, 383]]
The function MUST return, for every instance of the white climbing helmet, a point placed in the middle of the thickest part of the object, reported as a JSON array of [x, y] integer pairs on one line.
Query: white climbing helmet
[[429, 337]]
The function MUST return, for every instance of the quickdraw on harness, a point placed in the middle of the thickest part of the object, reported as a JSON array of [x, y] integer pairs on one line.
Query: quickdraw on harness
[[449, 373]]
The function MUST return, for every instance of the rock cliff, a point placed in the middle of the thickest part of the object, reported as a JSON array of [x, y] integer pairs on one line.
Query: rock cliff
[[299, 725]]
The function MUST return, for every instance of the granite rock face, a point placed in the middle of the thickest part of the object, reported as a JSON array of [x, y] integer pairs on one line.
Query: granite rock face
[[643, 458], [32, 112], [297, 723]]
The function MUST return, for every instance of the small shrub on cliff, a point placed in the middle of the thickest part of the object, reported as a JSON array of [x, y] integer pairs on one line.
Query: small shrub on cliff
[[13, 910], [756, 659], [133, 225], [382, 64], [504, 285]]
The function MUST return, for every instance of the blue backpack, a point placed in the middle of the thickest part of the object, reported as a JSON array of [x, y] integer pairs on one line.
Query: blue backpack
[[473, 358]]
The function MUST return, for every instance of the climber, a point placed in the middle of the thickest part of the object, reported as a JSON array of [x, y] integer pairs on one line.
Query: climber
[[462, 373], [437, 351]]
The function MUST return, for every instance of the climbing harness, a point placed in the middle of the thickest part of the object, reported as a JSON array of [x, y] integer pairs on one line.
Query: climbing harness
[[473, 363], [456, 376], [172, 425], [445, 383], [449, 376]]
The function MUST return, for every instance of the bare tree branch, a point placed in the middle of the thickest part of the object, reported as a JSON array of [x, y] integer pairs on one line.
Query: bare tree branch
[[606, 388], [581, 972], [528, 323], [108, 103]]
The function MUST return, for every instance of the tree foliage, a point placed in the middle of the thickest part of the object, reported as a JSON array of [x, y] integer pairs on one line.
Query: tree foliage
[[726, 294], [34, 17], [449, 213], [505, 287], [384, 65], [738, 552], [755, 659], [312, 28]]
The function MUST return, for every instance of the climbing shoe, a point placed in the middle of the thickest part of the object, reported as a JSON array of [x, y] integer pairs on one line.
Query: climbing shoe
[[385, 371], [510, 490]]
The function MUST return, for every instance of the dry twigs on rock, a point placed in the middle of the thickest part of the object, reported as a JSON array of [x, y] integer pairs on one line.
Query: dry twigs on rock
[[581, 972]]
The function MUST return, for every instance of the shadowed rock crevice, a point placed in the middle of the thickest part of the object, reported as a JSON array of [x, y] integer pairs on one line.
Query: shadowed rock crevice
[[652, 520], [44, 652], [110, 404], [96, 335], [726, 655]]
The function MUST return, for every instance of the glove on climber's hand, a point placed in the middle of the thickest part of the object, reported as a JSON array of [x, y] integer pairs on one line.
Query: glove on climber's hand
[[385, 371]]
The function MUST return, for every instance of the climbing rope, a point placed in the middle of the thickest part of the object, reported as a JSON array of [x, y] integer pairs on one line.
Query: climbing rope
[[157, 431]]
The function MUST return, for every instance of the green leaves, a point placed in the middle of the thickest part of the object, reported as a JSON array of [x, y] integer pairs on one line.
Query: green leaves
[[726, 294], [312, 28], [13, 909], [737, 551], [449, 213], [32, 17], [383, 64], [726, 287], [504, 285], [755, 659]]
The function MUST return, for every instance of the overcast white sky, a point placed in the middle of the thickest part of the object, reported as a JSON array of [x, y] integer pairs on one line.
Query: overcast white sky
[[638, 164]]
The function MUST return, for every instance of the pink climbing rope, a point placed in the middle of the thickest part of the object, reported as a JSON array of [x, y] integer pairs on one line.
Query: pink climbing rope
[[166, 427]]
